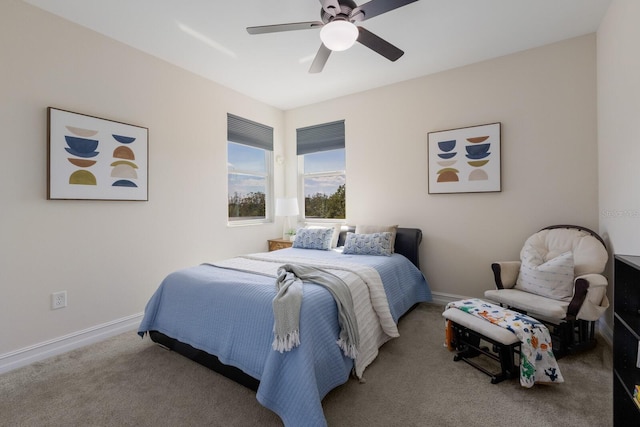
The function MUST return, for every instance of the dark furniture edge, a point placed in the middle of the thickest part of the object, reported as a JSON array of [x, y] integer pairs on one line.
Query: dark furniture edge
[[205, 359]]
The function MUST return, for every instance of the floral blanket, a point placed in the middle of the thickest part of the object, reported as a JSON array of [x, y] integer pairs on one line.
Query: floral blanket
[[537, 362]]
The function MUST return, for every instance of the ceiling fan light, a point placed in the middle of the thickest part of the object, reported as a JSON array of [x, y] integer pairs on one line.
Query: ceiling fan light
[[339, 35]]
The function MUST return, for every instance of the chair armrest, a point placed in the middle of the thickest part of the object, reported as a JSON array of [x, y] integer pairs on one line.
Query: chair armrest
[[595, 301], [580, 289], [505, 273]]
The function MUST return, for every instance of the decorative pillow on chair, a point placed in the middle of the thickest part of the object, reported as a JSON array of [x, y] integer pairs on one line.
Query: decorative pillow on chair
[[368, 244], [313, 238], [551, 279]]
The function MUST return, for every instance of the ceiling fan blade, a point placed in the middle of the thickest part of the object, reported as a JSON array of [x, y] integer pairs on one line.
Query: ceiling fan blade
[[378, 7], [321, 58], [264, 29], [379, 45]]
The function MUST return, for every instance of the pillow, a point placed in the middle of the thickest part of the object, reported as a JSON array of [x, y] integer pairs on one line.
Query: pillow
[[317, 238], [335, 227], [551, 279], [368, 244], [369, 229]]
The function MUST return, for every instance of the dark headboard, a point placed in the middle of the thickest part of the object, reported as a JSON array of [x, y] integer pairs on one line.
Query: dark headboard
[[407, 242]]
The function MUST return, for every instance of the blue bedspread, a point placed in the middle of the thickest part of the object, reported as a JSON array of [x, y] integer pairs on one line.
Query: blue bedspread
[[229, 314]]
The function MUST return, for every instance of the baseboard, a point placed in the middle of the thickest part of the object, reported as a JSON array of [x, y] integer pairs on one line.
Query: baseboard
[[605, 332], [35, 353], [442, 298]]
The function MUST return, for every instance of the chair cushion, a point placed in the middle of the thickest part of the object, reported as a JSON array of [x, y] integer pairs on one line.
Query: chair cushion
[[589, 254], [536, 306], [481, 326], [553, 278]]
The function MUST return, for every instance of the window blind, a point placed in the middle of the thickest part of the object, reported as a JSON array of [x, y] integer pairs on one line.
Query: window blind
[[248, 132], [324, 137]]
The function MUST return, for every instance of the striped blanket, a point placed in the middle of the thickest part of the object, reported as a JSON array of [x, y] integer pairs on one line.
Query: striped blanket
[[375, 323]]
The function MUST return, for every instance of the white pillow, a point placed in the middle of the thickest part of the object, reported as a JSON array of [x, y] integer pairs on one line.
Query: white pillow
[[370, 229], [551, 279], [336, 230]]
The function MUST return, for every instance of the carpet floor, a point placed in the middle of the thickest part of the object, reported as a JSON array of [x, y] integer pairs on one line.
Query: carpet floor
[[128, 381]]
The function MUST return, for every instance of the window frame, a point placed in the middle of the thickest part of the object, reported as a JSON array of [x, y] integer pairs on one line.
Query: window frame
[[253, 132], [315, 139]]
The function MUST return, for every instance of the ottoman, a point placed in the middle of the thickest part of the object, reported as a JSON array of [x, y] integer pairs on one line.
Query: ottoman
[[466, 335]]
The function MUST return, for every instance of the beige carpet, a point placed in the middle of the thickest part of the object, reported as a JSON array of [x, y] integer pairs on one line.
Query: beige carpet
[[126, 381]]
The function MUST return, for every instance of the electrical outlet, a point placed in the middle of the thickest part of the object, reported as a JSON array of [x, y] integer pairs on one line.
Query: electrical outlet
[[58, 300]]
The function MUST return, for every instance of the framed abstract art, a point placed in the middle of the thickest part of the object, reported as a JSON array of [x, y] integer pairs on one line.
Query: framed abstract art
[[465, 160], [95, 159]]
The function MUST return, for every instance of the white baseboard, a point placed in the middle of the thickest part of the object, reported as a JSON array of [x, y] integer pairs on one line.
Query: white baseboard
[[605, 332], [28, 355], [442, 298]]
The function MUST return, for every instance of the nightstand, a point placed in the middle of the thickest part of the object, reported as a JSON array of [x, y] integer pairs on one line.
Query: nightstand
[[275, 244]]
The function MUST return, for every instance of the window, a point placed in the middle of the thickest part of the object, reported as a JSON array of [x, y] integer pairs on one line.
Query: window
[[321, 157], [249, 167]]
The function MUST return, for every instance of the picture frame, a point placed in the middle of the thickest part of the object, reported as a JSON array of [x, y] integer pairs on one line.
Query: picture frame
[[90, 158], [465, 160]]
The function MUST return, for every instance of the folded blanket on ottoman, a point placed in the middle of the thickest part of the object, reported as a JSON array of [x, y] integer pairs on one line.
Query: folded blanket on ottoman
[[537, 362]]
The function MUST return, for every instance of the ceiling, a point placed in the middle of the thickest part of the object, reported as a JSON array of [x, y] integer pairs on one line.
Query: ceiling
[[209, 38]]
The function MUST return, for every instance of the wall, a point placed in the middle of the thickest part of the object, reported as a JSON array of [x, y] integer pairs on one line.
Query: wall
[[109, 256], [619, 129], [545, 99]]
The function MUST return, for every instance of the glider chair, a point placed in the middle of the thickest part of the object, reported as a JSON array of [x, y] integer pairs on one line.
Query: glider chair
[[559, 282]]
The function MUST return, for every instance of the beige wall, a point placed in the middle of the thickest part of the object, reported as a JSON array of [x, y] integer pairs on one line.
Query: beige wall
[[545, 99], [109, 256], [619, 128]]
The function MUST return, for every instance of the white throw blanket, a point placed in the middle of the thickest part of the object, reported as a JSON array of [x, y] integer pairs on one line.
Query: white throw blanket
[[375, 323]]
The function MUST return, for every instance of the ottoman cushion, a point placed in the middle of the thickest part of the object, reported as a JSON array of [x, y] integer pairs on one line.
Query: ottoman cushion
[[480, 326]]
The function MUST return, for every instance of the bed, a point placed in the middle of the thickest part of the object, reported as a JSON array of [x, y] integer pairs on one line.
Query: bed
[[221, 315]]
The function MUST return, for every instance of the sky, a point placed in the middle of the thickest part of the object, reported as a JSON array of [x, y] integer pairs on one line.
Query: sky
[[251, 160]]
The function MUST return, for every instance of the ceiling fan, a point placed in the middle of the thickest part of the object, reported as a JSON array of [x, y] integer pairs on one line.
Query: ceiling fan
[[338, 30]]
